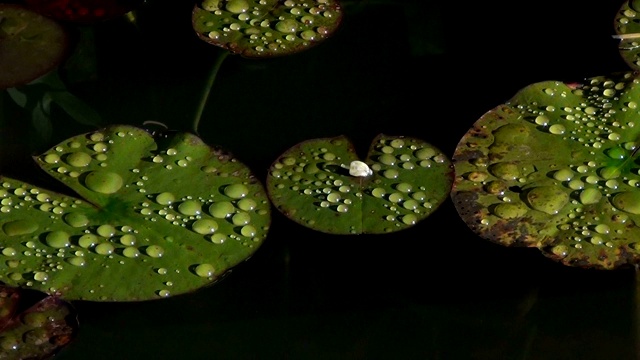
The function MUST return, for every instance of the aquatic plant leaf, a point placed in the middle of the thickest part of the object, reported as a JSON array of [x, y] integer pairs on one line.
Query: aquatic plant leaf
[[627, 31], [556, 168], [31, 45], [82, 11], [322, 185], [37, 331], [153, 217], [267, 28]]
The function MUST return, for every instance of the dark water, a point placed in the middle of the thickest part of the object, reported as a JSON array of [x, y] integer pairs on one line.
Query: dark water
[[435, 291]]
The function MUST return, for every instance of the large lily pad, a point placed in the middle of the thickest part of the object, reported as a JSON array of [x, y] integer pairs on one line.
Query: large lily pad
[[322, 185], [34, 331], [266, 28], [154, 217], [31, 45], [82, 11], [556, 168]]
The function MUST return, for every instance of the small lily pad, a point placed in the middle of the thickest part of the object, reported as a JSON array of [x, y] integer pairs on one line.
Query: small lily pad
[[322, 185], [155, 217], [37, 331], [31, 45], [556, 168], [266, 28], [627, 31]]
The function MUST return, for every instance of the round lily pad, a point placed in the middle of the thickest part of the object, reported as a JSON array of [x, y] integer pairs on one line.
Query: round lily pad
[[556, 168], [34, 331], [265, 28], [31, 45], [322, 185], [153, 217], [627, 31]]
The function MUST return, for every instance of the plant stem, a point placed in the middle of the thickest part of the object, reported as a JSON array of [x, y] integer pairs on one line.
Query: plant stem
[[207, 89]]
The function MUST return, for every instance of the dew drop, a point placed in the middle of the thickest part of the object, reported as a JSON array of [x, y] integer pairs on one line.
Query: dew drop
[[77, 261], [57, 239], [548, 199], [104, 249], [205, 270], [165, 198], [560, 250], [87, 240], [509, 211], [19, 227], [9, 251], [103, 182], [409, 219], [236, 191], [190, 208], [76, 219], [590, 196], [248, 231], [106, 230], [241, 218], [78, 159], [627, 201], [218, 238], [131, 252], [221, 209], [40, 276], [205, 226], [247, 204], [155, 251], [128, 240]]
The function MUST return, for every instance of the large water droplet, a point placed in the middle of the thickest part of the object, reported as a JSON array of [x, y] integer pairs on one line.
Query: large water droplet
[[165, 198], [190, 208], [78, 159], [19, 227], [106, 230], [236, 191], [221, 209], [104, 182], [548, 199], [155, 251], [76, 219], [57, 239], [590, 196], [205, 226], [628, 201], [205, 270]]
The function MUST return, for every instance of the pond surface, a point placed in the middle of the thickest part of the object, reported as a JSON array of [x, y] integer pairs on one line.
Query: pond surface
[[434, 291]]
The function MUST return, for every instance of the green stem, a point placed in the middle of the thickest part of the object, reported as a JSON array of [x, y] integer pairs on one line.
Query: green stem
[[207, 89]]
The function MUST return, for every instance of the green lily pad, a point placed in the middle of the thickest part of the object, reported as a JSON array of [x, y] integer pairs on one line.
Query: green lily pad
[[322, 185], [38, 331], [556, 168], [31, 45], [266, 28], [154, 217], [627, 31]]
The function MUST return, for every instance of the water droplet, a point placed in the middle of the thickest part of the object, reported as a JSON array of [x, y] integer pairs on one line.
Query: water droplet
[[40, 276], [560, 250], [155, 251], [165, 198], [241, 218], [548, 199], [391, 174], [248, 231], [76, 219], [387, 159], [425, 153], [19, 227], [78, 159], [563, 174], [205, 226], [190, 208], [221, 209], [237, 6], [103, 182], [236, 191], [57, 239], [590, 196], [218, 238], [9, 251], [106, 230], [104, 248], [505, 170], [509, 210], [627, 201], [205, 270], [77, 261], [128, 240], [87, 240], [409, 219], [131, 252]]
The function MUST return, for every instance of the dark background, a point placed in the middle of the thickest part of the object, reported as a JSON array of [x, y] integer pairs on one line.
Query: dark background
[[427, 69]]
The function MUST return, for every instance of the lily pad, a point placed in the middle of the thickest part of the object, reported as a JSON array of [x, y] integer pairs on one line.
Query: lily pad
[[153, 217], [556, 168], [266, 28], [38, 331], [627, 31], [322, 185], [31, 45]]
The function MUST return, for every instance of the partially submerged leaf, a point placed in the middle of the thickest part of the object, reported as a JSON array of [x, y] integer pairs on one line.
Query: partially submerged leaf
[[35, 331], [556, 168], [31, 45], [627, 31], [266, 28], [322, 185], [155, 217]]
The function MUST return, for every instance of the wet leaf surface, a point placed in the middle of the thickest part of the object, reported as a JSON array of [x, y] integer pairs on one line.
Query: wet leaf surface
[[30, 45], [155, 217], [31, 330], [627, 31], [260, 29], [322, 184], [556, 168]]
